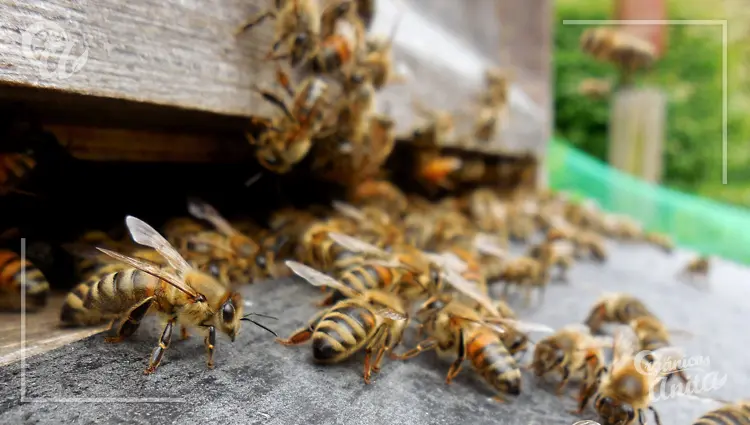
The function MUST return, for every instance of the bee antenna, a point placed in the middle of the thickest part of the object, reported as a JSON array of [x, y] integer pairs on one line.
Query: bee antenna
[[260, 315], [246, 319]]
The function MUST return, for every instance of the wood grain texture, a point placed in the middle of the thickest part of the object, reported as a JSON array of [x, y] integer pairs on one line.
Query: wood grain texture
[[184, 54]]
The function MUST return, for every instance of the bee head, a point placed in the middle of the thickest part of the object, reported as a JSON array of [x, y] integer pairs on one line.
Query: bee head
[[302, 44], [547, 356], [230, 314], [612, 412]]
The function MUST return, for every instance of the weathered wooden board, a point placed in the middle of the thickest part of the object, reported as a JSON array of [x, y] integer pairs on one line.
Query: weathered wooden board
[[184, 54]]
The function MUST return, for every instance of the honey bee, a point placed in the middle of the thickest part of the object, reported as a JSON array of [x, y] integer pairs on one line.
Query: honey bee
[[374, 320], [489, 212], [456, 327], [177, 229], [653, 335], [554, 252], [244, 247], [12, 282], [625, 391], [661, 241], [297, 29], [379, 59], [380, 193], [527, 273], [287, 139], [435, 170], [187, 297], [595, 88], [599, 42], [341, 48], [575, 354], [617, 308], [438, 128], [697, 267], [15, 169], [589, 244], [736, 413]]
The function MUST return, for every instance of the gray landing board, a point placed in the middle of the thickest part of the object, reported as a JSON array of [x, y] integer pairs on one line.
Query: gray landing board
[[258, 381]]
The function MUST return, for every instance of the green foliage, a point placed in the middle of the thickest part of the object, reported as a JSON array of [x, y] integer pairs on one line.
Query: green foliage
[[690, 73]]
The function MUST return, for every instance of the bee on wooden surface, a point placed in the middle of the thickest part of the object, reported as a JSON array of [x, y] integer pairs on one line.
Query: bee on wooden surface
[[374, 320], [589, 244], [735, 413], [287, 139], [625, 391], [296, 29], [698, 267], [660, 240], [379, 59], [615, 308], [341, 49], [575, 354], [381, 193], [653, 335], [452, 326], [244, 247], [528, 274], [12, 282], [185, 296]]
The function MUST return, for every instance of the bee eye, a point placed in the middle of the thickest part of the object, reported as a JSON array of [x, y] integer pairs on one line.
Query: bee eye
[[300, 39], [227, 312]]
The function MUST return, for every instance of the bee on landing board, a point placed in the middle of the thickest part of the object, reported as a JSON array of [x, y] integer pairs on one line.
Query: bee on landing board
[[12, 282], [183, 296], [626, 389], [575, 354], [287, 138], [615, 308], [374, 320]]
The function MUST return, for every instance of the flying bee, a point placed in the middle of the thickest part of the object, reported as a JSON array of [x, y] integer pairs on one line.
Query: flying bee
[[595, 88], [244, 247], [615, 308], [660, 240], [599, 42], [626, 389], [735, 413], [374, 320], [287, 139], [575, 354], [185, 296], [12, 282], [297, 29], [653, 335]]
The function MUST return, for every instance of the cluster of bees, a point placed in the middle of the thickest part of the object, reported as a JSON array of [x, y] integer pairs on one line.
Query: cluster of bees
[[386, 261], [348, 140]]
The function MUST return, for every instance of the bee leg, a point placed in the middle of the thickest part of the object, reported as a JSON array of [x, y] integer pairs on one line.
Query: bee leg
[[376, 341], [641, 417], [210, 342], [587, 391], [184, 334], [426, 345], [158, 353], [131, 322], [656, 415], [304, 334], [563, 381], [456, 366], [255, 20], [378, 360]]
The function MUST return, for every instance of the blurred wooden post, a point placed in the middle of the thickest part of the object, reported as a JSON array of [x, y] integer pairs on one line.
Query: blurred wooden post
[[638, 115]]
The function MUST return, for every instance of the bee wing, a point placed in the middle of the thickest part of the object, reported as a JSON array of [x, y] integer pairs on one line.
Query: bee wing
[[489, 245], [525, 327], [353, 244], [391, 314], [447, 261], [146, 235], [81, 250], [469, 289], [153, 270], [315, 277], [204, 211], [625, 343], [348, 210]]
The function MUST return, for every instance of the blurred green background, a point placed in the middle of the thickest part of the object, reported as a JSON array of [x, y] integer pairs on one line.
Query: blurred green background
[[690, 73]]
